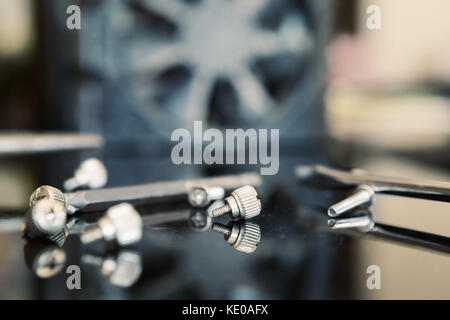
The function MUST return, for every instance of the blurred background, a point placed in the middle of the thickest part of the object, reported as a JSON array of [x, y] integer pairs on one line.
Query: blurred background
[[138, 69]]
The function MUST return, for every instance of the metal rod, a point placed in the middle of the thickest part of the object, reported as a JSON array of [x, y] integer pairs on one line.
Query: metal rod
[[91, 200], [26, 143]]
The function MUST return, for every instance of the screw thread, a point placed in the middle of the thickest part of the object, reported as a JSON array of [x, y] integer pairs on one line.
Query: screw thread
[[221, 211], [91, 234], [222, 229]]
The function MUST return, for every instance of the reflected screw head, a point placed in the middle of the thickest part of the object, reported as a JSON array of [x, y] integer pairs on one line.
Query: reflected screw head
[[91, 173], [243, 203], [121, 224], [243, 236], [200, 197], [199, 220], [122, 270], [44, 258]]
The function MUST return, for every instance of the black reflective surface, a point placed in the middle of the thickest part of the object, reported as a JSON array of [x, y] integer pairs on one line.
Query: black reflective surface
[[180, 257]]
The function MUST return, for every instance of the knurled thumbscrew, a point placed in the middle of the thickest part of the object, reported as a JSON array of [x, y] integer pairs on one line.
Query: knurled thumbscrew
[[45, 218], [47, 192], [91, 173], [243, 236], [121, 224], [200, 197], [242, 203]]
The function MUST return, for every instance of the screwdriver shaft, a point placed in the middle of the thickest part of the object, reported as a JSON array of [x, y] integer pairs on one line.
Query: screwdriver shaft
[[91, 200]]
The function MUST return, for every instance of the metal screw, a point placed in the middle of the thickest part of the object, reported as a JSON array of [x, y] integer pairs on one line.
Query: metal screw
[[244, 236], [199, 220], [121, 224], [363, 223], [45, 218], [44, 258], [60, 237], [121, 270], [47, 192], [91, 173], [200, 197], [363, 196], [242, 203]]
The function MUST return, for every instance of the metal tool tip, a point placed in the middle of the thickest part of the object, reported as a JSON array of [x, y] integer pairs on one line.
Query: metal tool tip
[[331, 223], [332, 212]]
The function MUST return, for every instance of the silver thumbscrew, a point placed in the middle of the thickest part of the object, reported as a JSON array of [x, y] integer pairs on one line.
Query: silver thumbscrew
[[91, 173], [121, 224], [364, 195], [200, 197], [45, 218], [47, 192], [243, 236], [122, 270], [60, 237], [242, 203]]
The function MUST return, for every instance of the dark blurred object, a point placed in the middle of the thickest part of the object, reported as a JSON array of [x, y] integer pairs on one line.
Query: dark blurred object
[[144, 68]]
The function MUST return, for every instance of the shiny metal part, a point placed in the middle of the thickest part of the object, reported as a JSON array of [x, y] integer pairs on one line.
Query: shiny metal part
[[200, 197], [91, 173], [26, 143], [60, 237], [363, 223], [44, 258], [47, 192], [199, 220], [45, 218], [243, 203], [121, 224], [243, 236], [365, 226], [122, 269], [92, 200], [364, 196], [322, 176], [11, 224]]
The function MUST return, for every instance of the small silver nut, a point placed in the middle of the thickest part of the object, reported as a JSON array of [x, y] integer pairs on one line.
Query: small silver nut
[[122, 223]]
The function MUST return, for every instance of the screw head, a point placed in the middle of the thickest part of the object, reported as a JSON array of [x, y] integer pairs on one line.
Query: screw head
[[48, 216], [124, 269], [47, 192], [198, 197], [199, 220], [122, 223], [244, 237], [44, 258], [244, 203]]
